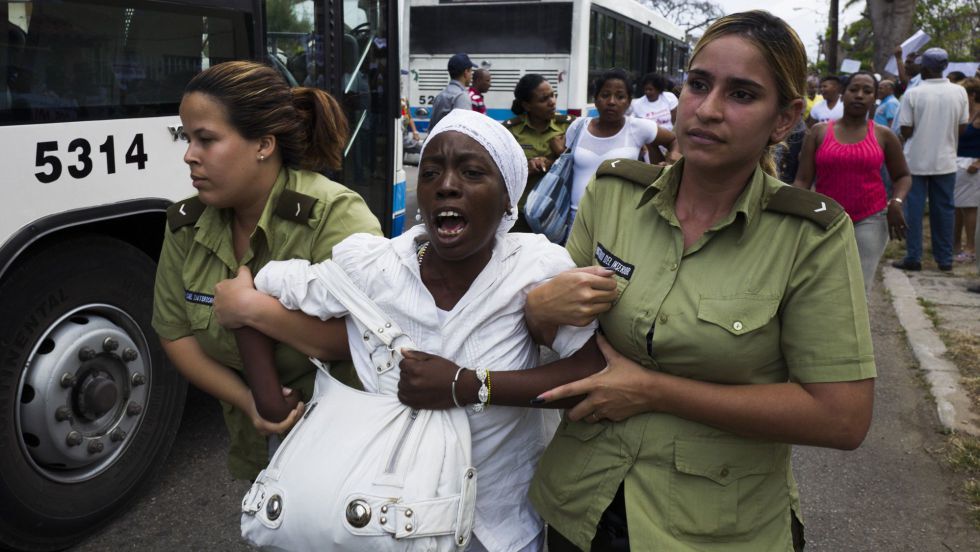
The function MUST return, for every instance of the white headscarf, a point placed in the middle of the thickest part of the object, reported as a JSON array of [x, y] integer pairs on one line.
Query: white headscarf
[[502, 147]]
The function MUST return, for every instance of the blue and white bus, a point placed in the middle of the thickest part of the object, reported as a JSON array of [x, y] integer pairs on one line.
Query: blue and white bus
[[568, 42]]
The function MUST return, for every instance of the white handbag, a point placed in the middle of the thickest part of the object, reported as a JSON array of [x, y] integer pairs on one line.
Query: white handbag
[[362, 471]]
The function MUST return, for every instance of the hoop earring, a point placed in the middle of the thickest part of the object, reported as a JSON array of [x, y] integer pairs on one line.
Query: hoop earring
[[418, 215]]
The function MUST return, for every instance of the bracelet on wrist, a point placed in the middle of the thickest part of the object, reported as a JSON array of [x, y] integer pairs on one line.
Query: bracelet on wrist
[[483, 395], [456, 379], [896, 200]]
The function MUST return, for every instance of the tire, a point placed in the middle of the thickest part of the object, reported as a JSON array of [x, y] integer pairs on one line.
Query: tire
[[89, 408]]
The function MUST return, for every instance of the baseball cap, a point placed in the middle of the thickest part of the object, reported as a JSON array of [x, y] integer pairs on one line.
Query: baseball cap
[[934, 59], [459, 63]]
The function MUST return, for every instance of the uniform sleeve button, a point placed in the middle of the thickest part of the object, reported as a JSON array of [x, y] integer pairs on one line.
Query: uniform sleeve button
[[663, 318], [673, 266], [737, 326], [724, 471]]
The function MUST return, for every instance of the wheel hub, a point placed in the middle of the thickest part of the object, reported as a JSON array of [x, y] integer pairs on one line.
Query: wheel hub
[[83, 393], [97, 394]]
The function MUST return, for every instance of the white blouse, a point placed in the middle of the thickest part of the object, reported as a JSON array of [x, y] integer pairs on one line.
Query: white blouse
[[590, 150], [486, 328]]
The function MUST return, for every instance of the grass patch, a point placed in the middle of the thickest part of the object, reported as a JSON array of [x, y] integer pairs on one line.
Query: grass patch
[[929, 308], [895, 250], [963, 350], [962, 453]]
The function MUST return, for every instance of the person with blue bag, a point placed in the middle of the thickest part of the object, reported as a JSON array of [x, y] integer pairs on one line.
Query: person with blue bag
[[540, 131], [613, 135], [553, 202]]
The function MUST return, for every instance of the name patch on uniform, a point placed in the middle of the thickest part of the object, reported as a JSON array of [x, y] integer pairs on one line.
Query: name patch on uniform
[[612, 262], [199, 298]]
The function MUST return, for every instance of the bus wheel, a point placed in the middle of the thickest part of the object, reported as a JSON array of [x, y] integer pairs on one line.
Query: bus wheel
[[88, 405]]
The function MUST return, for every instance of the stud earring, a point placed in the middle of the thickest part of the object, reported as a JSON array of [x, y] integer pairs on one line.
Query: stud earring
[[418, 215], [261, 158]]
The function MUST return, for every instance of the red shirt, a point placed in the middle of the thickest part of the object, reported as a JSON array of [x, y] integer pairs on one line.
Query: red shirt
[[477, 99], [851, 173]]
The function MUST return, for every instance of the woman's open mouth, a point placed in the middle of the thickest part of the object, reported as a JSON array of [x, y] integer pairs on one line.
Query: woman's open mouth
[[449, 223]]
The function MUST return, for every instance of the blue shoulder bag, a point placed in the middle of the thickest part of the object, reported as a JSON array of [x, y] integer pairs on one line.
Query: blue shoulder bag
[[548, 209]]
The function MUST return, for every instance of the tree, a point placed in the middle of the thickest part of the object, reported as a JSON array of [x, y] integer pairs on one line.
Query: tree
[[281, 17], [891, 23], [689, 15], [857, 42], [953, 25]]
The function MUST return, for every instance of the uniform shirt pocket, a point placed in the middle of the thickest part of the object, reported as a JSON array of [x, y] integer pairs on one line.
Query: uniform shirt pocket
[[199, 316], [738, 315], [723, 489]]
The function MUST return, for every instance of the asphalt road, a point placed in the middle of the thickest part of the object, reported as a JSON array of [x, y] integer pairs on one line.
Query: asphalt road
[[889, 495]]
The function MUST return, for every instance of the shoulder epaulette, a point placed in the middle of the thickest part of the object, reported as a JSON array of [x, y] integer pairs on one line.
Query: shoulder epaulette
[[184, 212], [295, 206], [512, 121], [806, 204], [635, 171]]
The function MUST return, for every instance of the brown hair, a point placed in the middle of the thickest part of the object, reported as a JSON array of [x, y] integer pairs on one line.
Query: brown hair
[[309, 125], [779, 45]]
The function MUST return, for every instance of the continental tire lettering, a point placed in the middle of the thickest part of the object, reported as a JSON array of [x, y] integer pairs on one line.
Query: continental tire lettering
[[79, 161]]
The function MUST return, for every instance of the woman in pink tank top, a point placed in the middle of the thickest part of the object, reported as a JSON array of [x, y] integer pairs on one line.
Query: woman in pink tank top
[[846, 157]]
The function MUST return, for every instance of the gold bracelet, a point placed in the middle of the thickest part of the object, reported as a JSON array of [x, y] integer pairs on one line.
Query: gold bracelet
[[489, 389]]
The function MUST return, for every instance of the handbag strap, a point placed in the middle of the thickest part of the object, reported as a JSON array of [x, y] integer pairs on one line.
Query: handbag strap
[[578, 132], [359, 305]]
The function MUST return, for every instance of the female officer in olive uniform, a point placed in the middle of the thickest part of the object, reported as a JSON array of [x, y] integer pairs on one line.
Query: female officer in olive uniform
[[538, 130], [739, 312], [252, 146]]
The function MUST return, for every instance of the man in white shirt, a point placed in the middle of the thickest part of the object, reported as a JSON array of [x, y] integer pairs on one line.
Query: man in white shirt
[[830, 108], [932, 117]]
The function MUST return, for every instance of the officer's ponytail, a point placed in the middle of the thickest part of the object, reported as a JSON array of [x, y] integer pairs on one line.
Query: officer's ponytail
[[309, 125]]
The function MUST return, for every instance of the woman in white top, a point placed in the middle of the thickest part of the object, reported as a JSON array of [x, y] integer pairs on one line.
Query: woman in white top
[[612, 135], [456, 285], [657, 103]]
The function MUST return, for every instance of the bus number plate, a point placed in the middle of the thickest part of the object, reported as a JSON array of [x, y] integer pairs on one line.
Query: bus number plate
[[77, 158]]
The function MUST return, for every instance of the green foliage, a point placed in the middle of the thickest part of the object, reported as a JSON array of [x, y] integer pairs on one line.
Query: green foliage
[[953, 25], [857, 42], [282, 18]]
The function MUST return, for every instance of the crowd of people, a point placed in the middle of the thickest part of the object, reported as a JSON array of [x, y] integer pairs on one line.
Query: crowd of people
[[706, 316]]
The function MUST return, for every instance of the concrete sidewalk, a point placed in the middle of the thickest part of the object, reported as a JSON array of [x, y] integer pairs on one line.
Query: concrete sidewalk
[[933, 305]]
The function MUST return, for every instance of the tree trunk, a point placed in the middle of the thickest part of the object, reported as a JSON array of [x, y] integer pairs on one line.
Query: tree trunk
[[891, 21]]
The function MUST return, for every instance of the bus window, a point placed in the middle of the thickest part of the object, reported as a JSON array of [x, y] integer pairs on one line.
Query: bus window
[[364, 54], [73, 60], [293, 43]]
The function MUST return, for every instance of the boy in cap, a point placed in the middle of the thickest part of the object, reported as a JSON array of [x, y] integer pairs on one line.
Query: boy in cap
[[931, 118], [456, 94]]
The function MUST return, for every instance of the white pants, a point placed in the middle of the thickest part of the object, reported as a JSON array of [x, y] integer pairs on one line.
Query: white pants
[[872, 237]]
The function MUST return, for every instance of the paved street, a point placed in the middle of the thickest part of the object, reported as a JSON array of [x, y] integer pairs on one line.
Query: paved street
[[891, 494]]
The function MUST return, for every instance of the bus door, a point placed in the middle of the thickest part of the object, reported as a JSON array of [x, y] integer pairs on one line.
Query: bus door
[[350, 60]]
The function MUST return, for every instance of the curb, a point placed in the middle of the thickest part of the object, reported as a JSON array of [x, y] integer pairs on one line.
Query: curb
[[952, 402]]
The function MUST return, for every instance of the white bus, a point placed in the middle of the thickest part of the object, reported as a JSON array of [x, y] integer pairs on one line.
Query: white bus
[[567, 42], [90, 160]]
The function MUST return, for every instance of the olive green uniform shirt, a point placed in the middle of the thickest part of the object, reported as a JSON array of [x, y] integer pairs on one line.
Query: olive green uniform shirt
[[535, 144], [772, 293], [306, 215]]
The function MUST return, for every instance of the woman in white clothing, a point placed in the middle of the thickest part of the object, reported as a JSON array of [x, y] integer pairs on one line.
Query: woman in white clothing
[[612, 135], [457, 285], [657, 103]]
